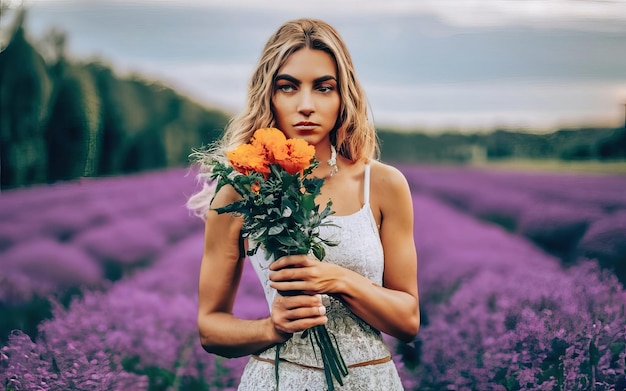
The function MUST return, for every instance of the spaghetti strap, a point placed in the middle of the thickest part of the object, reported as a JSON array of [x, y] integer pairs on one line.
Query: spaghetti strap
[[366, 185]]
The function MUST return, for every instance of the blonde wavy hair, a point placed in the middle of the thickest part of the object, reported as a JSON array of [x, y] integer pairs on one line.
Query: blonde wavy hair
[[354, 135]]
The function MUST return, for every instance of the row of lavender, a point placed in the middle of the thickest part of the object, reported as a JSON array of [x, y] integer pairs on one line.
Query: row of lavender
[[498, 314], [87, 232], [57, 239], [141, 334], [133, 328], [569, 215]]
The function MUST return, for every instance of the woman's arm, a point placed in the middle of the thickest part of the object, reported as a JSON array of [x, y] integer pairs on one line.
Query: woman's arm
[[392, 308], [220, 274]]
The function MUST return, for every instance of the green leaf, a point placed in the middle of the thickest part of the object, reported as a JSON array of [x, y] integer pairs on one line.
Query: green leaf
[[313, 185], [275, 230], [308, 202], [235, 207], [319, 251], [287, 241]]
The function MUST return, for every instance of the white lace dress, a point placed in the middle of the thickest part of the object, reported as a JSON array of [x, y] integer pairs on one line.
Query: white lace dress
[[359, 250]]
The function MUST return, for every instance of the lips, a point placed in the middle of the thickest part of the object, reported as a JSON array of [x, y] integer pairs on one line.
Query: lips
[[306, 125]]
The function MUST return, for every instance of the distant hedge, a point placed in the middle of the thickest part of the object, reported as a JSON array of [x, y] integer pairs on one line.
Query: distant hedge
[[60, 119], [564, 144]]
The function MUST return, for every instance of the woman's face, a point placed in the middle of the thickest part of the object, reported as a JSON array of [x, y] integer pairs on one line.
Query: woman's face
[[306, 99]]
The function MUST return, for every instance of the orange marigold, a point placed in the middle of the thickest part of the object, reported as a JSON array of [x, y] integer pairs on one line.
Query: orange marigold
[[270, 146], [271, 139], [295, 155], [248, 158]]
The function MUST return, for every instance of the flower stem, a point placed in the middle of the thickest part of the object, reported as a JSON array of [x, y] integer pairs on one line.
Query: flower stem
[[334, 365]]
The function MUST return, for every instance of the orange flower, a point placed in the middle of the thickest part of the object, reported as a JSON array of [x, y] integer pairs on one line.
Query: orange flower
[[295, 155], [270, 146], [255, 187], [248, 158], [271, 139]]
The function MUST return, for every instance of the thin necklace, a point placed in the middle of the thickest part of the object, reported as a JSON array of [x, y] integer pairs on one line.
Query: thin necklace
[[332, 162]]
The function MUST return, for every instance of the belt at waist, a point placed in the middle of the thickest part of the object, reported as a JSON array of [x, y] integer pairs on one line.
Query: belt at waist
[[360, 364]]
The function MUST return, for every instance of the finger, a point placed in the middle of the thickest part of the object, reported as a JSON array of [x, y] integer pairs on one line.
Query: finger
[[288, 274], [298, 319], [305, 312], [301, 324], [290, 261], [293, 286], [291, 302], [308, 271]]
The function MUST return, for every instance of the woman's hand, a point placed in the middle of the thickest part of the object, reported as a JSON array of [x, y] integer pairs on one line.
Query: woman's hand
[[304, 273], [308, 278], [291, 314]]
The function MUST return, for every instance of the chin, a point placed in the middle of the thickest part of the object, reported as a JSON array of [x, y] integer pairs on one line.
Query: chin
[[310, 137]]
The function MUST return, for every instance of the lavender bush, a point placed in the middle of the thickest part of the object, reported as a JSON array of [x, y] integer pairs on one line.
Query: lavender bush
[[145, 325], [42, 267], [29, 366], [498, 312], [61, 210], [119, 223], [605, 240], [58, 240], [553, 210]]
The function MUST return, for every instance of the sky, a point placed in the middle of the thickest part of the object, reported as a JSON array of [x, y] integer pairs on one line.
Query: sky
[[462, 65]]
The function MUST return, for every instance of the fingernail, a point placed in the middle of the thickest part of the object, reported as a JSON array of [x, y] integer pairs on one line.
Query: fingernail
[[322, 310]]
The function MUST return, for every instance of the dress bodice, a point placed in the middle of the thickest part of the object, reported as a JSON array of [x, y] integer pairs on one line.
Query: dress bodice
[[359, 249]]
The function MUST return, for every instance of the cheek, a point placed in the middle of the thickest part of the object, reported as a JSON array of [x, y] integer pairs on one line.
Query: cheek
[[277, 109], [334, 107], [280, 105]]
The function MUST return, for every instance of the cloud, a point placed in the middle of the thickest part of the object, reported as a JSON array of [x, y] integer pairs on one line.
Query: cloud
[[418, 71], [572, 14], [541, 106]]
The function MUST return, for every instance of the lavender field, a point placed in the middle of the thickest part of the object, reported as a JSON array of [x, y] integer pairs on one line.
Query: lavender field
[[568, 215], [98, 285]]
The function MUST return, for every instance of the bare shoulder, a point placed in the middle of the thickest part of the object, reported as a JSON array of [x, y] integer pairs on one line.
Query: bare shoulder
[[390, 192], [387, 179]]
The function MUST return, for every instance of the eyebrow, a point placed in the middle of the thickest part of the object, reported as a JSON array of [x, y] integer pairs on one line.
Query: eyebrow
[[295, 81]]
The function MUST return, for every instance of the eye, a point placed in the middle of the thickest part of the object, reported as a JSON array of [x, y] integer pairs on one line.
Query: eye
[[285, 88], [325, 89]]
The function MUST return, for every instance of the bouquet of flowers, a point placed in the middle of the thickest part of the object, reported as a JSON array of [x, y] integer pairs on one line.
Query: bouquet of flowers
[[279, 211]]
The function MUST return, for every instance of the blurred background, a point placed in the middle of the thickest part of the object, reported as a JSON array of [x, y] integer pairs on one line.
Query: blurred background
[[507, 117], [94, 88]]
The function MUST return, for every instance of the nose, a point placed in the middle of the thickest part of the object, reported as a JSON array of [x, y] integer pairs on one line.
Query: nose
[[305, 105]]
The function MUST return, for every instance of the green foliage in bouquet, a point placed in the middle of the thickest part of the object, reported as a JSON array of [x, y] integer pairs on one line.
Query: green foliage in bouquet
[[279, 212]]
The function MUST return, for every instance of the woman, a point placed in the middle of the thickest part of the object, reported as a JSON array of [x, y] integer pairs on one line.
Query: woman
[[305, 86]]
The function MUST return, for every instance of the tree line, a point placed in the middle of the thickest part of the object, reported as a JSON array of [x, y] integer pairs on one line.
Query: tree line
[[564, 144], [62, 119]]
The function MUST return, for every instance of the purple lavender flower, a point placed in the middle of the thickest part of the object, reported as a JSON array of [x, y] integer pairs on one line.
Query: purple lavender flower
[[605, 240], [128, 242], [42, 267], [498, 312], [501, 314]]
